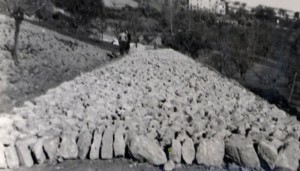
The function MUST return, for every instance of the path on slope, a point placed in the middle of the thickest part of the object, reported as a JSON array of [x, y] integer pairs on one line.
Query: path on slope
[[52, 25]]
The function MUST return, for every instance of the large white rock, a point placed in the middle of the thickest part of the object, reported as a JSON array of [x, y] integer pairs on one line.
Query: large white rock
[[267, 153], [169, 166], [95, 147], [107, 144], [24, 154], [288, 157], [84, 143], [38, 151], [175, 153], [143, 148], [3, 164], [119, 143], [68, 148], [242, 152], [11, 156], [188, 151], [211, 152], [50, 147]]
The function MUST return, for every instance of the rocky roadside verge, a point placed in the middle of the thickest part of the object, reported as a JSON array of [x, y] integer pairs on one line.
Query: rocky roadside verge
[[155, 106]]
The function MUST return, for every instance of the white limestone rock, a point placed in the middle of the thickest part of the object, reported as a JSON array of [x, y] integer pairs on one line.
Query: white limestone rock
[[241, 151], [68, 148], [211, 152], [288, 157], [11, 156], [3, 164], [84, 143], [96, 145], [169, 166], [119, 143], [107, 144], [38, 151], [175, 153], [24, 154], [267, 153], [188, 151], [50, 147], [143, 148]]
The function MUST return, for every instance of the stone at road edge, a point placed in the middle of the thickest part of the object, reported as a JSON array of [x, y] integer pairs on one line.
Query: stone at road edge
[[143, 148]]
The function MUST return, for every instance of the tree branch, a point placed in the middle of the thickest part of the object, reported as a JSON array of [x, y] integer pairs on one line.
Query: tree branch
[[38, 8]]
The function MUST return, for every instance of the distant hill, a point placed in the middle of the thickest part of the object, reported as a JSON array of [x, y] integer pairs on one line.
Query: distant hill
[[118, 4]]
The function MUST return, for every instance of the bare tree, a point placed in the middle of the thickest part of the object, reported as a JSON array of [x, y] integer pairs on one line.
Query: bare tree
[[134, 26], [17, 9], [117, 27], [100, 25]]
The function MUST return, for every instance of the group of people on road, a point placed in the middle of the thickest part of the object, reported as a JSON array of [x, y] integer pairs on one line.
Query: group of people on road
[[124, 39]]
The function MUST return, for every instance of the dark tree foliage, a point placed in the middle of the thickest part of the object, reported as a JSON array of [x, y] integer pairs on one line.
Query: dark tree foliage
[[264, 13], [82, 10], [297, 16], [150, 12], [234, 41]]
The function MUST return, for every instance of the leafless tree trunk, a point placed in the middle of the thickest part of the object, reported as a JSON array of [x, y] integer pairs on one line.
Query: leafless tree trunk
[[16, 41], [18, 15]]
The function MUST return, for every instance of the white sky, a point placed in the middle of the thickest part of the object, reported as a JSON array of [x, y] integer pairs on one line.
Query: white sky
[[293, 5]]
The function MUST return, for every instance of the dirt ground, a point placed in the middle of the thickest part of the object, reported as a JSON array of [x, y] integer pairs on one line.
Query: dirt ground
[[115, 165]]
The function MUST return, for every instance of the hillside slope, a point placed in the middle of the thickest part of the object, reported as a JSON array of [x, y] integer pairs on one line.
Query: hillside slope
[[151, 99], [46, 59], [119, 4]]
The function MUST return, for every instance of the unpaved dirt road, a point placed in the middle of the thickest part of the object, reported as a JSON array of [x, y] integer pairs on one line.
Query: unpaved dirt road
[[116, 165]]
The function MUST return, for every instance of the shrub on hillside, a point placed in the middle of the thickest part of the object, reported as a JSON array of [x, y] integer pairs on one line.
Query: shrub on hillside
[[83, 11]]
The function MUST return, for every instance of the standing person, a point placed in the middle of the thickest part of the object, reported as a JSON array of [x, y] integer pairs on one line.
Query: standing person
[[136, 42], [128, 41], [122, 42]]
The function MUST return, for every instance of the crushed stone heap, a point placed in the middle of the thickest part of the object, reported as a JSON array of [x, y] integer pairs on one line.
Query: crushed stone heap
[[161, 106]]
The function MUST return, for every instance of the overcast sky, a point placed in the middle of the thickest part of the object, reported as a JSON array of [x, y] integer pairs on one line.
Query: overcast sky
[[293, 5]]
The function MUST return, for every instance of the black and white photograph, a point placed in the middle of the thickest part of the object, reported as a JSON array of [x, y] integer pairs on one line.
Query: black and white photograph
[[149, 85]]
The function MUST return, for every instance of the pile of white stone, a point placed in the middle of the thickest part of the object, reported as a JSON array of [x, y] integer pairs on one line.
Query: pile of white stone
[[157, 106]]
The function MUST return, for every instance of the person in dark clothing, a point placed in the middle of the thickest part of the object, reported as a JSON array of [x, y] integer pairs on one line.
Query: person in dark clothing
[[136, 42], [128, 41], [122, 42]]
